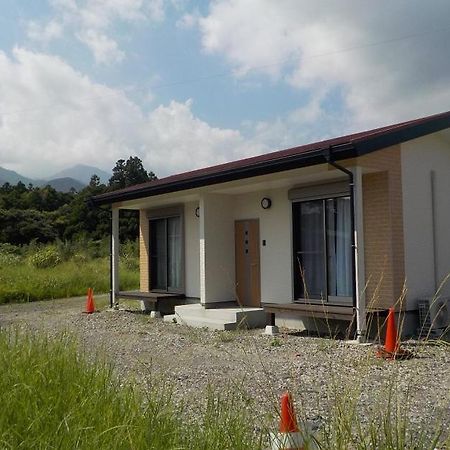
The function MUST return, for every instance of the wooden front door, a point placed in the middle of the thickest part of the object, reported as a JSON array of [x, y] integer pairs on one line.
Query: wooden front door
[[248, 282]]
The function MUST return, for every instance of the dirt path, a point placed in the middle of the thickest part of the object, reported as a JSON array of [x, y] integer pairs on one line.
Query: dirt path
[[261, 366]]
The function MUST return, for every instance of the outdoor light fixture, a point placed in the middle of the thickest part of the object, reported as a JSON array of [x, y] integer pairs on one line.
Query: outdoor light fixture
[[266, 203], [197, 211]]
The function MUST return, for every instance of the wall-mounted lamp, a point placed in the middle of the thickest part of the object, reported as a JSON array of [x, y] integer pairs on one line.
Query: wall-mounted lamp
[[197, 211], [266, 203]]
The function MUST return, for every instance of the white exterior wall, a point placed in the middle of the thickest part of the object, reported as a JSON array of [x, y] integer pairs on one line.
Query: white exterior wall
[[191, 250], [419, 158], [275, 228], [217, 277]]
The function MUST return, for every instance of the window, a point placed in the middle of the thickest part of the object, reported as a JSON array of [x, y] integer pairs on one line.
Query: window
[[165, 254], [322, 254]]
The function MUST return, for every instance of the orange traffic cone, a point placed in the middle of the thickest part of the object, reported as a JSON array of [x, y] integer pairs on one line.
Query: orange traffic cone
[[391, 348], [289, 437], [90, 307]]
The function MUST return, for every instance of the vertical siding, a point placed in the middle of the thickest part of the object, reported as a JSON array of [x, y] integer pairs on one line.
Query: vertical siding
[[144, 248], [383, 228]]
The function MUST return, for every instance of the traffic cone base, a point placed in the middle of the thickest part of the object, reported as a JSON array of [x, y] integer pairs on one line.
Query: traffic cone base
[[401, 354], [287, 441], [90, 306]]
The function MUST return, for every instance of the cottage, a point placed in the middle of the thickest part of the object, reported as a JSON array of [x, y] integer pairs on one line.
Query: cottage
[[338, 229]]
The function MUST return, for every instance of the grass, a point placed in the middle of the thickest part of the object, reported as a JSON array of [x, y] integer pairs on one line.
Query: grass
[[52, 396], [25, 283], [61, 270]]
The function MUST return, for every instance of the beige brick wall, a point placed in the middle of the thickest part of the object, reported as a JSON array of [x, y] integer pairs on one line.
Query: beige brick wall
[[383, 227], [144, 248]]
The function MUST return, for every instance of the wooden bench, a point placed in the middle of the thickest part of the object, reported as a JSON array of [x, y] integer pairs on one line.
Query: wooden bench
[[317, 311]]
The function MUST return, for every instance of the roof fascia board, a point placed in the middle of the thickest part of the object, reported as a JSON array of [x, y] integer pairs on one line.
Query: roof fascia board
[[401, 135], [266, 167]]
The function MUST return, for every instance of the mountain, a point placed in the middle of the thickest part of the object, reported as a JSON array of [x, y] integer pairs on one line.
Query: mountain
[[83, 173], [11, 177], [64, 184], [76, 177]]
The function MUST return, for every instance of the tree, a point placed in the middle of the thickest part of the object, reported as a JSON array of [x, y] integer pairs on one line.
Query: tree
[[128, 173], [84, 220]]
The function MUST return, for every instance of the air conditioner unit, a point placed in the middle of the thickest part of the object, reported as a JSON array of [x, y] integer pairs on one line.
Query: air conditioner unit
[[434, 314]]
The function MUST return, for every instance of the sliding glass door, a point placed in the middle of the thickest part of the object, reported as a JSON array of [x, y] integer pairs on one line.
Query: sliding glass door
[[322, 250], [165, 254]]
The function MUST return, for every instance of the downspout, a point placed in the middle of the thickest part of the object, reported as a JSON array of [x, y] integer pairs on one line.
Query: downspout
[[355, 297]]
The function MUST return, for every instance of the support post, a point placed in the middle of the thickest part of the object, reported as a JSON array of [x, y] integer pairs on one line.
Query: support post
[[202, 251], [361, 326], [114, 255]]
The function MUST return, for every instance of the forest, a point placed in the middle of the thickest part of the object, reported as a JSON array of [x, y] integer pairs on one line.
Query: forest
[[43, 215]]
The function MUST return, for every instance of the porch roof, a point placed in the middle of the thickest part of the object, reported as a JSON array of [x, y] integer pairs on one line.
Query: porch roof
[[342, 147]]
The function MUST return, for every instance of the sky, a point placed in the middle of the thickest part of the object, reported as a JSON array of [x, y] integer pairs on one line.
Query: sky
[[186, 84]]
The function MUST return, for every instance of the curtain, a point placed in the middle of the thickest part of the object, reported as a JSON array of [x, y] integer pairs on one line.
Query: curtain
[[159, 254], [331, 245], [174, 252], [312, 255], [343, 248]]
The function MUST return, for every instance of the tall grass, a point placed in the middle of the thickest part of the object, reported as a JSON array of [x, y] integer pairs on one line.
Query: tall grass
[[61, 270], [53, 397]]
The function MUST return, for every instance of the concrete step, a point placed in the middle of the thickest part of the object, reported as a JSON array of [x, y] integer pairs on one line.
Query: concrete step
[[211, 324], [228, 318]]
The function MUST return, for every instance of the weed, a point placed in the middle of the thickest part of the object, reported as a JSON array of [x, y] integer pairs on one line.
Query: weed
[[276, 342]]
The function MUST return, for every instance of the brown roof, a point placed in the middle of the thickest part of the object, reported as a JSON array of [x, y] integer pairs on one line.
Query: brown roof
[[340, 148]]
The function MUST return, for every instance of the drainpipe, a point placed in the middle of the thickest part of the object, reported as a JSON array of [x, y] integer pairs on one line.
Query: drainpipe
[[356, 299]]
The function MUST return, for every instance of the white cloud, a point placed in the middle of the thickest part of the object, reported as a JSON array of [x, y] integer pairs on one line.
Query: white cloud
[[52, 116], [92, 23], [188, 21], [105, 50], [321, 47], [44, 33]]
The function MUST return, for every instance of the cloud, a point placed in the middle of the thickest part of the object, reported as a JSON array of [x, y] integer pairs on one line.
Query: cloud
[[53, 116], [105, 50], [387, 60], [44, 33], [92, 22]]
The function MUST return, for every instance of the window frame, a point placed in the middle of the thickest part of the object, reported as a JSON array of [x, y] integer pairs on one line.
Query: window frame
[[320, 193], [164, 214]]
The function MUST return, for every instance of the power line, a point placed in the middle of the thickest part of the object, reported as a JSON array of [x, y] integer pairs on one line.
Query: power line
[[253, 68]]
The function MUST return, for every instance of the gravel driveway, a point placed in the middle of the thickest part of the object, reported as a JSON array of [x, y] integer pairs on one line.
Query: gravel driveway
[[312, 368]]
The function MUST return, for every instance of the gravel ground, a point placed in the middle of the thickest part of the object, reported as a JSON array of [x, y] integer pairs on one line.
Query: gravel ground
[[262, 367]]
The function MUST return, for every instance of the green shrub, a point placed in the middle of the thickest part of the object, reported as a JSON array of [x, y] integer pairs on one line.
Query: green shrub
[[9, 249], [9, 259], [45, 257]]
